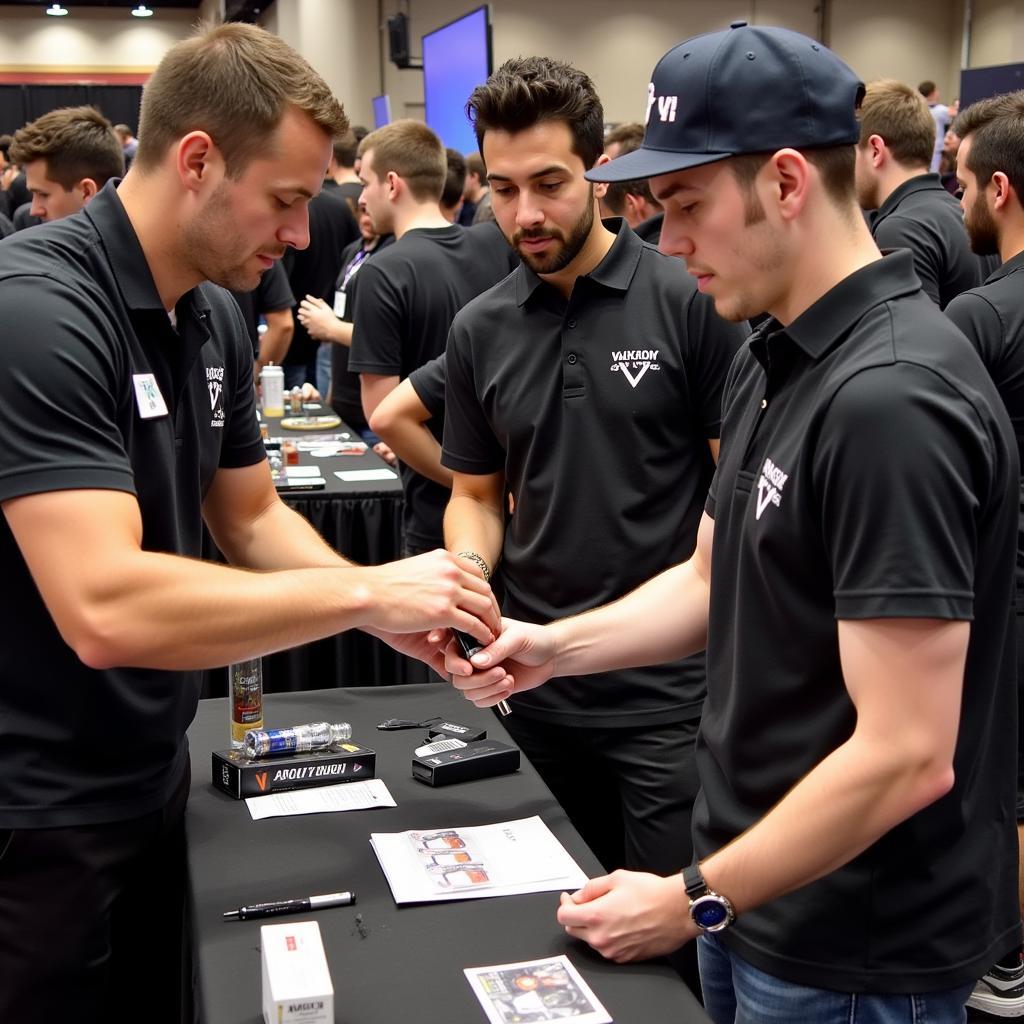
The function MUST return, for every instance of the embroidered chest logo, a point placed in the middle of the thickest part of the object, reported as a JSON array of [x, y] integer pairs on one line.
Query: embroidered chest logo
[[215, 385], [634, 363], [770, 486]]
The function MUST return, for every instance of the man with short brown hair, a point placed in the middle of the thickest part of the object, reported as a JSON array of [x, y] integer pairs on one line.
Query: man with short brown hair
[[68, 155], [914, 211], [127, 408]]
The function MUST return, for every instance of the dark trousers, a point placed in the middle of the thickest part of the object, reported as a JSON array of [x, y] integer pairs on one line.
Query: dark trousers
[[91, 920], [628, 791]]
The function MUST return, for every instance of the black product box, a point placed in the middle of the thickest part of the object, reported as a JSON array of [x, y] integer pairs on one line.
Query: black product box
[[479, 760], [241, 777]]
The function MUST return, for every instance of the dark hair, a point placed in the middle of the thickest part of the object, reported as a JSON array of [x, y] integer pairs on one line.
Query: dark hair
[[455, 179], [926, 88], [996, 129], [628, 136], [345, 149], [835, 164], [75, 142], [5, 145], [475, 165], [234, 82], [526, 91]]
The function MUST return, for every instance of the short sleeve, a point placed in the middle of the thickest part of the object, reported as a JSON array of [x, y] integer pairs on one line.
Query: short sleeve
[[377, 325], [58, 394], [712, 344], [429, 384], [469, 442], [896, 469], [980, 322]]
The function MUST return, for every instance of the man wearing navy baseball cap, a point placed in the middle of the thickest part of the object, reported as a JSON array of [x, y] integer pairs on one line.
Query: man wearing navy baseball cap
[[853, 583]]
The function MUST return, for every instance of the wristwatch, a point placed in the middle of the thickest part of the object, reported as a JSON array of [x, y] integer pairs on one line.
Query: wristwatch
[[709, 911]]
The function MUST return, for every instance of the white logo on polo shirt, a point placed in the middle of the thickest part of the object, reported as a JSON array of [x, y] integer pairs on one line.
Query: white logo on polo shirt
[[634, 363], [215, 385], [769, 487], [666, 105]]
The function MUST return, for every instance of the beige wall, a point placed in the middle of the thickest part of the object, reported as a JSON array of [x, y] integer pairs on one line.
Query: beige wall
[[88, 38], [998, 33]]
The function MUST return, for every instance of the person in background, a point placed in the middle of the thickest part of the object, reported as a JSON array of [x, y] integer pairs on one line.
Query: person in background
[[942, 118], [914, 211], [855, 848], [67, 155], [475, 193], [991, 173], [129, 144], [451, 197], [272, 301]]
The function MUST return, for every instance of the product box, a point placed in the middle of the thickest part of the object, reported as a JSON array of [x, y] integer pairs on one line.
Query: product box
[[297, 985], [241, 777], [481, 759]]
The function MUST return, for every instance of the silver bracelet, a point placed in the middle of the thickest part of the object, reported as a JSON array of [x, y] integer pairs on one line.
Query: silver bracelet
[[472, 556]]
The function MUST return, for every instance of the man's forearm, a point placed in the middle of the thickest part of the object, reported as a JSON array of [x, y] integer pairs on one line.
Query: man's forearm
[[474, 525], [417, 447], [341, 333], [664, 619]]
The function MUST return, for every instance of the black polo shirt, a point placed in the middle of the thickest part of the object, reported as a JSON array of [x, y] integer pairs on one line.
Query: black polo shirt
[[271, 295], [650, 230], [346, 394], [868, 470], [313, 270], [598, 412], [429, 384], [405, 303], [85, 338], [992, 317], [923, 217]]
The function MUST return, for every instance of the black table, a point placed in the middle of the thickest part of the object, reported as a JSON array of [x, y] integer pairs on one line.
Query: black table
[[408, 966], [362, 520]]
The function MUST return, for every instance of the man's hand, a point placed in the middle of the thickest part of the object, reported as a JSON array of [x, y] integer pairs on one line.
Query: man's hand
[[629, 915], [426, 646], [385, 452], [522, 658], [317, 317], [429, 592]]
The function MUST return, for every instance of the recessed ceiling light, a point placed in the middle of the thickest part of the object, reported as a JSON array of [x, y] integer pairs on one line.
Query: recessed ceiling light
[[56, 11], [142, 11]]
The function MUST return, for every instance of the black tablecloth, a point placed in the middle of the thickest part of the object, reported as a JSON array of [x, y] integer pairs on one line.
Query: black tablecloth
[[408, 964], [362, 520]]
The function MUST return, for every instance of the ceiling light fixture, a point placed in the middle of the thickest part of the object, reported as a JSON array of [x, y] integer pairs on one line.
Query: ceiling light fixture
[[56, 11], [142, 11]]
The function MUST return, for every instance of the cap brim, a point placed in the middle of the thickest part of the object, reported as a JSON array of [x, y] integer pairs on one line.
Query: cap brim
[[649, 163]]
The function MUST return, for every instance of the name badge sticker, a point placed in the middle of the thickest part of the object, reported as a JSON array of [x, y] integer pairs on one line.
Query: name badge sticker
[[147, 396], [340, 298]]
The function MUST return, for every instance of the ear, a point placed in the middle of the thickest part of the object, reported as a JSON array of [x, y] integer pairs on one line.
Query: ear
[[394, 183], [601, 187], [789, 176], [633, 204], [1001, 189], [88, 187], [878, 151], [197, 160]]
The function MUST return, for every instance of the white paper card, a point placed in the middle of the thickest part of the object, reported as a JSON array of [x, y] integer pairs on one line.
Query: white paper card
[[147, 396], [354, 475], [349, 796], [504, 859], [535, 990], [300, 471]]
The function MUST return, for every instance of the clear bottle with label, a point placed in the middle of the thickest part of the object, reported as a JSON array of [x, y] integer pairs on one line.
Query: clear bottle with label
[[272, 390], [299, 739], [245, 699]]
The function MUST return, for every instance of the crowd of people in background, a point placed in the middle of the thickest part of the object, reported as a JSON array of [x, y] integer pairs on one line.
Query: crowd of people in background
[[573, 343]]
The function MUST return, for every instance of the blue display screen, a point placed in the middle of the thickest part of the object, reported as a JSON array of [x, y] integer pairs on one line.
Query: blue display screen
[[381, 111], [456, 59]]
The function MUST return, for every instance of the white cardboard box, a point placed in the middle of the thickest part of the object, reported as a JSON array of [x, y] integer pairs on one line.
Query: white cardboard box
[[297, 985]]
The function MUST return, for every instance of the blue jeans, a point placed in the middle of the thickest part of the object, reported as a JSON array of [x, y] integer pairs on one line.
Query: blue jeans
[[735, 992], [323, 368]]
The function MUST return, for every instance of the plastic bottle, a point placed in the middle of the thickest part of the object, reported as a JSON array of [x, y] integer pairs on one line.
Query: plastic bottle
[[299, 739], [272, 390]]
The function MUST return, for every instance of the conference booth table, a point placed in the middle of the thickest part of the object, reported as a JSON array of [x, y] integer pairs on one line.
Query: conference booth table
[[363, 520], [394, 963]]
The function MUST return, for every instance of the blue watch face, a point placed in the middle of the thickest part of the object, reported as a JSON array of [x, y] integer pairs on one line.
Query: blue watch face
[[707, 913]]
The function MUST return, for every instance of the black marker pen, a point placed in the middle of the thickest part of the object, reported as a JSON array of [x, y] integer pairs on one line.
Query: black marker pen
[[332, 899]]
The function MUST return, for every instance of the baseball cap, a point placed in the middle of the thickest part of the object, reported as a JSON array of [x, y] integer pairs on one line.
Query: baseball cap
[[746, 89]]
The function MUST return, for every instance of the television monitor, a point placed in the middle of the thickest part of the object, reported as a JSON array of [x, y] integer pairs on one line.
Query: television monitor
[[456, 59], [381, 111]]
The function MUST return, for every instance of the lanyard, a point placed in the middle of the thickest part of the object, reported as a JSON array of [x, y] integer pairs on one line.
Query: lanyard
[[351, 269]]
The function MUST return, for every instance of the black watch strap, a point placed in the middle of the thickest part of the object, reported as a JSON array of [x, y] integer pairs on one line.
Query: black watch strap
[[694, 882]]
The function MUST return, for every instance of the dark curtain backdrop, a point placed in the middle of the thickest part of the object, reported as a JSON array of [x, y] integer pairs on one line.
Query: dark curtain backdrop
[[19, 104]]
